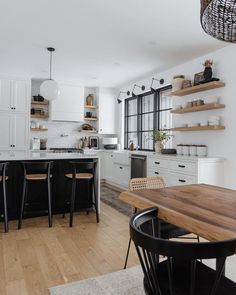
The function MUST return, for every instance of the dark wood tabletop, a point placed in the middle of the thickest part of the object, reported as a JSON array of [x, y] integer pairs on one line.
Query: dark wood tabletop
[[206, 210]]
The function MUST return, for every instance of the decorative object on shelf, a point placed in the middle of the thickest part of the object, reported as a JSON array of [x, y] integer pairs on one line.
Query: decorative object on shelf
[[90, 100], [177, 82], [43, 143], [218, 19], [208, 70], [131, 146], [198, 78], [118, 98], [201, 150], [49, 89], [141, 87], [94, 142], [38, 97], [168, 151], [161, 81], [89, 114], [87, 127], [186, 84], [160, 137]]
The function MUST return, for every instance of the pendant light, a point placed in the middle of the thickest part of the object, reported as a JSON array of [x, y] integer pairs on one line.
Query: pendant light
[[49, 88], [218, 19]]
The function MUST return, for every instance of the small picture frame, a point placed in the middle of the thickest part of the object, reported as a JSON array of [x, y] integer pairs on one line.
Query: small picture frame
[[198, 78]]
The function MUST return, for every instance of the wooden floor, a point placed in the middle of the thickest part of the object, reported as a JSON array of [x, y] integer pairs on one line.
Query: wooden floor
[[37, 257]]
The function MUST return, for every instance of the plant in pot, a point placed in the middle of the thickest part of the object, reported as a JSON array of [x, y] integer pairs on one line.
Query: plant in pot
[[160, 137]]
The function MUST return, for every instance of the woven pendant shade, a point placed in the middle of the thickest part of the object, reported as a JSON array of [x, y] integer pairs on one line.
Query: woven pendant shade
[[218, 19]]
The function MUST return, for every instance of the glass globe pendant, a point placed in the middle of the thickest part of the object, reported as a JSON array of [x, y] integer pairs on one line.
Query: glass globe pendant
[[49, 89]]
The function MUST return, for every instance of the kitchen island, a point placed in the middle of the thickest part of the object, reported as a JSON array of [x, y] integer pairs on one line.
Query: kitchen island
[[61, 187]]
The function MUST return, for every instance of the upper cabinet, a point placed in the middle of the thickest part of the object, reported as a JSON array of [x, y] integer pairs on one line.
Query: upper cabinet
[[14, 95], [107, 123], [69, 106]]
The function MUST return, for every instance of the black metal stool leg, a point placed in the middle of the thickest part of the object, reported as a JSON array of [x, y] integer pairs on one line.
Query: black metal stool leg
[[95, 200], [127, 253], [22, 203], [49, 203], [72, 202], [5, 205]]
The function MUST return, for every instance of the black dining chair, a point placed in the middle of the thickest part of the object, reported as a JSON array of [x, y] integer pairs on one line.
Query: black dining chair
[[167, 230], [3, 181], [181, 273], [81, 171], [37, 171]]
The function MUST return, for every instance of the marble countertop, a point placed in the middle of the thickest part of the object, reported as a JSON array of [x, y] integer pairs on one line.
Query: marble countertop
[[31, 156]]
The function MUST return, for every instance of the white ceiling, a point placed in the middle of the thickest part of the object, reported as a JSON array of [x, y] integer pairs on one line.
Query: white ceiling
[[100, 42]]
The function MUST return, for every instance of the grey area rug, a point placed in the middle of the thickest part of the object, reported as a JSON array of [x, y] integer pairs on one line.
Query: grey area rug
[[123, 282], [111, 198]]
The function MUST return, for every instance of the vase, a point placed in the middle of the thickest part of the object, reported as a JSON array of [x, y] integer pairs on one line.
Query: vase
[[177, 83], [158, 147], [207, 74]]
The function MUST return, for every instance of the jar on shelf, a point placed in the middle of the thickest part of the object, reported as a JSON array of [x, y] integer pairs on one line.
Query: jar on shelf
[[89, 100], [179, 149], [202, 150], [177, 82], [193, 150], [186, 150]]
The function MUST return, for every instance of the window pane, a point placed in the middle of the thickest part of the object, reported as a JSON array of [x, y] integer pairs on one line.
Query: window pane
[[147, 141], [148, 103], [147, 122], [165, 100], [165, 120], [132, 123], [132, 137], [132, 107]]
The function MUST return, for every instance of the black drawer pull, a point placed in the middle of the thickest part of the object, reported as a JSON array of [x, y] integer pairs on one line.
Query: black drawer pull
[[157, 173], [182, 180], [158, 163], [181, 166], [121, 167]]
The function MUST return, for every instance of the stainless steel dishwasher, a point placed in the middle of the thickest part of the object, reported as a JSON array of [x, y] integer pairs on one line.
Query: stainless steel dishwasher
[[138, 166]]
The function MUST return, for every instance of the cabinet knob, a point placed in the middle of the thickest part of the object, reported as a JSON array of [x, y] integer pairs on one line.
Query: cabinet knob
[[181, 166], [121, 167], [158, 163], [182, 180], [157, 173]]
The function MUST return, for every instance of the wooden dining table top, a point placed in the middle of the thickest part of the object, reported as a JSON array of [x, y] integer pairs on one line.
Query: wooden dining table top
[[206, 210]]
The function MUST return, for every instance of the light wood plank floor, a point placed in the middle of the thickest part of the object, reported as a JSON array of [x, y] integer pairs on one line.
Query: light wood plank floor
[[37, 257]]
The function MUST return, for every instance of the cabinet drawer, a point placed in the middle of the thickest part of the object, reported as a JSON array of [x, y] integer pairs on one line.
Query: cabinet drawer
[[183, 167], [122, 175], [181, 179], [155, 163], [162, 173], [121, 158]]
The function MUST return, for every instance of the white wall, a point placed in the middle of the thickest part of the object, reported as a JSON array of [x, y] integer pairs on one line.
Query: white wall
[[220, 143]]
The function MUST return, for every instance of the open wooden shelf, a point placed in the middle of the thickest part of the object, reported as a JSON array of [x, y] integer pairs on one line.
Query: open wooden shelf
[[38, 129], [90, 119], [45, 102], [36, 116], [90, 107], [88, 131], [198, 88], [200, 128], [204, 107]]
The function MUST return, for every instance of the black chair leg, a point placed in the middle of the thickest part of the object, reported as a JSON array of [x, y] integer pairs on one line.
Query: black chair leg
[[127, 253], [72, 202], [49, 203], [95, 201], [5, 206], [22, 203]]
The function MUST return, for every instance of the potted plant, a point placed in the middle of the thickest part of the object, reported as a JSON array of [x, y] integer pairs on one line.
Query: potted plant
[[160, 137]]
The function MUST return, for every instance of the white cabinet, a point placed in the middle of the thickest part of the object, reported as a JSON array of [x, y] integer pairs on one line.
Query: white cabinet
[[14, 95], [69, 106], [14, 131], [109, 173], [107, 123]]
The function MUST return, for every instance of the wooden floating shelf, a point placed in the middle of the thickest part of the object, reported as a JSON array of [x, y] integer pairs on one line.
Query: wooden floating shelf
[[38, 129], [88, 131], [90, 119], [198, 88], [45, 102], [39, 116], [199, 128], [90, 107], [205, 107]]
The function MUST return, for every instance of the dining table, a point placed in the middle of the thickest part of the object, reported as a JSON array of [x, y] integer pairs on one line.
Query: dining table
[[205, 210]]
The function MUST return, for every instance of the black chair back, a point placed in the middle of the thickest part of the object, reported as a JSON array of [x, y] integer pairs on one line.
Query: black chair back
[[144, 231], [37, 167], [83, 167]]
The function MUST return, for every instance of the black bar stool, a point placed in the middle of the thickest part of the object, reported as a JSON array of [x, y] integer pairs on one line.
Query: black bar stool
[[3, 179], [82, 171], [36, 171]]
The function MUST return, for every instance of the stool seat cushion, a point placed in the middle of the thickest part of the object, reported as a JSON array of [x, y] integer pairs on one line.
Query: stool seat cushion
[[42, 176], [80, 175], [6, 178]]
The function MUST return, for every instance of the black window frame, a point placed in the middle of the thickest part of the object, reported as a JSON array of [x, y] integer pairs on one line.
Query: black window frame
[[156, 115]]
